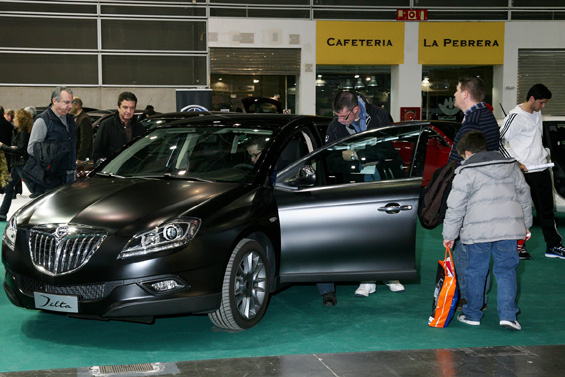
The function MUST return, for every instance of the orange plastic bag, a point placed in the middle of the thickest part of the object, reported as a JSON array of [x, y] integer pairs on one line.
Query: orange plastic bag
[[446, 293]]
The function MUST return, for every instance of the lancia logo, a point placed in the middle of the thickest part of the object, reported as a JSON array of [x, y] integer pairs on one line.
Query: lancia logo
[[61, 232]]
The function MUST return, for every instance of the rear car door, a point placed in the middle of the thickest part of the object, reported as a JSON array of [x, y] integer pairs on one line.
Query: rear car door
[[352, 220]]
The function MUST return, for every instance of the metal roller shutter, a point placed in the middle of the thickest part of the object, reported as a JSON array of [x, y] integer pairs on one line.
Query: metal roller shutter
[[250, 61], [546, 67]]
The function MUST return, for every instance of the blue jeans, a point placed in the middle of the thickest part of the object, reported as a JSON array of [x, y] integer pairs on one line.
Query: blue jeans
[[506, 260], [461, 260], [324, 288]]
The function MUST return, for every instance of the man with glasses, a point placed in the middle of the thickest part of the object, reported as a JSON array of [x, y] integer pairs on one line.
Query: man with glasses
[[353, 114], [52, 144]]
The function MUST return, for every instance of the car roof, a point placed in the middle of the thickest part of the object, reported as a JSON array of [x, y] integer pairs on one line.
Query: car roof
[[448, 127], [266, 120]]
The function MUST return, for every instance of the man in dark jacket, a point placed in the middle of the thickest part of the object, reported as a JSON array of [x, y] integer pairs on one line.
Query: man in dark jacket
[[84, 130], [5, 128], [118, 130], [52, 144], [353, 114]]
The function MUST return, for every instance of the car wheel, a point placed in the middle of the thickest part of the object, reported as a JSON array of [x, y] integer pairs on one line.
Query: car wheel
[[245, 291]]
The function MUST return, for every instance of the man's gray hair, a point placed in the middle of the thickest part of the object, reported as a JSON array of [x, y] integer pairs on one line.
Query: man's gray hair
[[57, 92]]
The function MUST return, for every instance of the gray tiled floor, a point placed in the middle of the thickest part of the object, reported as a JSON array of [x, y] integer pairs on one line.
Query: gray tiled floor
[[472, 362]]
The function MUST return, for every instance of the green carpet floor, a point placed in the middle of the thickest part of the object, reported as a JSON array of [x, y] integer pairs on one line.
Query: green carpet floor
[[295, 323]]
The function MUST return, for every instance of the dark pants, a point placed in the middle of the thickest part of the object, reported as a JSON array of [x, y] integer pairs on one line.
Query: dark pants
[[17, 175], [542, 195]]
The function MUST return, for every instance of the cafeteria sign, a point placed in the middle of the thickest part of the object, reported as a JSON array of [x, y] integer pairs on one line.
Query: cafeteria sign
[[359, 43], [455, 43]]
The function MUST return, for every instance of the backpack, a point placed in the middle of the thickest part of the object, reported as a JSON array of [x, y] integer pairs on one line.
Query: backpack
[[433, 197]]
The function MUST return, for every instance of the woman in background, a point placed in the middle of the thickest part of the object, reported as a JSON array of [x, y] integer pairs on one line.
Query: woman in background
[[17, 152]]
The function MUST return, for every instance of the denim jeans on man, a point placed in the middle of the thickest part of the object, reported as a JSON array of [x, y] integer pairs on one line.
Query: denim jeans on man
[[506, 260]]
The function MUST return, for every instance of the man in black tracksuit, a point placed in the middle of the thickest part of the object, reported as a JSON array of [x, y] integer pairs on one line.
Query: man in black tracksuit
[[119, 129]]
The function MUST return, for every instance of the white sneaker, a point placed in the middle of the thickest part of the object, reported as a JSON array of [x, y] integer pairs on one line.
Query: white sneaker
[[365, 289], [394, 286], [512, 325]]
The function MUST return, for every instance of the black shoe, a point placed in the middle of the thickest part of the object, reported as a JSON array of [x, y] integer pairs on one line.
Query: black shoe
[[3, 218], [460, 304], [32, 196], [524, 255], [556, 252], [329, 299]]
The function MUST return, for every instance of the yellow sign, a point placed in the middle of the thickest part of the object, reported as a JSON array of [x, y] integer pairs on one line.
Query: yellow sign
[[359, 43], [461, 43]]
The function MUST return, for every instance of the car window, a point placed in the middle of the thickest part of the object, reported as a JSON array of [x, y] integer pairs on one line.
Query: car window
[[208, 153], [381, 155]]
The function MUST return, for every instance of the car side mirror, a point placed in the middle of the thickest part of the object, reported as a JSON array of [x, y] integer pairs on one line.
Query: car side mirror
[[306, 177]]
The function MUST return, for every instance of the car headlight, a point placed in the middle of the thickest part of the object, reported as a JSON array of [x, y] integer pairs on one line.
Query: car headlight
[[166, 236], [10, 233]]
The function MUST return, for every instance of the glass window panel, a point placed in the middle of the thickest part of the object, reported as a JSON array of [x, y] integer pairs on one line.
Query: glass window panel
[[529, 15], [262, 2], [228, 12], [55, 69], [43, 33], [353, 14], [154, 70], [538, 3], [451, 4], [371, 3], [280, 13], [49, 7], [373, 82], [188, 11], [464, 16], [437, 94], [154, 35]]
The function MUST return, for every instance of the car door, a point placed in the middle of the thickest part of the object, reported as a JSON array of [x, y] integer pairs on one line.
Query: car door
[[352, 220]]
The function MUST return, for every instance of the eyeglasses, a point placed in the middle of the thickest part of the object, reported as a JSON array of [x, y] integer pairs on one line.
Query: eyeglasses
[[255, 155], [343, 117]]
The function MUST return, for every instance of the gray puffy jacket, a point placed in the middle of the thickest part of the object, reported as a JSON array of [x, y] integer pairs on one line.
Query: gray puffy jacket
[[489, 201]]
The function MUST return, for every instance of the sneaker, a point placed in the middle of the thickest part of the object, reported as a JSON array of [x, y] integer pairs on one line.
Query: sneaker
[[329, 299], [512, 325], [394, 286], [365, 289], [556, 252], [3, 218], [462, 318], [523, 253]]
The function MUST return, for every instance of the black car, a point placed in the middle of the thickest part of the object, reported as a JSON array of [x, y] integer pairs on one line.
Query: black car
[[181, 221]]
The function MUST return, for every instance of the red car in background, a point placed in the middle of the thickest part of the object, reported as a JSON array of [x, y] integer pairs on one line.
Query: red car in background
[[439, 143]]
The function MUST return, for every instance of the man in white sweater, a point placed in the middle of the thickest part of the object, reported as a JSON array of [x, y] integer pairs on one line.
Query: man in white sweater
[[521, 138]]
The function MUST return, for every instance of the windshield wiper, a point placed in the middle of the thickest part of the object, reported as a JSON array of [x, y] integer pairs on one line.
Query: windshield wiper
[[171, 176], [112, 175]]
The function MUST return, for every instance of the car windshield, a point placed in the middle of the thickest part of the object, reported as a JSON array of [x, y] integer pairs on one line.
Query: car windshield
[[226, 154]]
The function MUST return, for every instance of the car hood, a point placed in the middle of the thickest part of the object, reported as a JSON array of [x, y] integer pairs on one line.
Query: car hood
[[120, 204]]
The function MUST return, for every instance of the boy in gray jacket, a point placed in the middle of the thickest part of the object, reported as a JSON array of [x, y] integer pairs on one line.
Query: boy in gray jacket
[[489, 208]]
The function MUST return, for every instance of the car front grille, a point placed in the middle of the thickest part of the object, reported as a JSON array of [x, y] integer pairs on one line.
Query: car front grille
[[83, 292], [59, 249]]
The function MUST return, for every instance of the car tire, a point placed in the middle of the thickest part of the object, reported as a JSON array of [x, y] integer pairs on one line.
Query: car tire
[[246, 288]]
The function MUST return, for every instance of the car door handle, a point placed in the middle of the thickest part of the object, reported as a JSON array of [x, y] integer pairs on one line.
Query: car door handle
[[395, 208]]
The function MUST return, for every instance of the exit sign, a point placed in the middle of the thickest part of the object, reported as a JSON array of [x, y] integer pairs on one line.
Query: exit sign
[[411, 14]]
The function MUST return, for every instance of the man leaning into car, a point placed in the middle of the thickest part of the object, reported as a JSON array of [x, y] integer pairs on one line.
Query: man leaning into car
[[354, 114], [118, 130]]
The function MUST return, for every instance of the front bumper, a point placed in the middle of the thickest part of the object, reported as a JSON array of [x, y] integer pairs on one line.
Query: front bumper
[[124, 299]]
